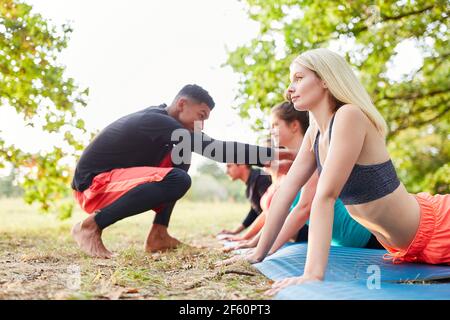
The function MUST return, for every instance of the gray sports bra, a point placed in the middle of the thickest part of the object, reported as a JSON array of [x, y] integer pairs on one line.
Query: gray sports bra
[[366, 182]]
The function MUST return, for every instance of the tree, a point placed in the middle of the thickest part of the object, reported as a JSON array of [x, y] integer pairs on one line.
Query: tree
[[211, 183], [8, 187], [212, 169], [416, 107], [34, 84]]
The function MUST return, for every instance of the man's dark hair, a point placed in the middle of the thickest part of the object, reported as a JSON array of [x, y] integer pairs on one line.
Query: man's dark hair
[[196, 93]]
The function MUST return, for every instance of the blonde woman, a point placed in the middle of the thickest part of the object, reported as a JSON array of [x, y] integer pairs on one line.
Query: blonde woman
[[285, 120], [346, 143]]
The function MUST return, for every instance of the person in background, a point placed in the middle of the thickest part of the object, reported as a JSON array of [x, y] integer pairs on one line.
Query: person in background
[[256, 185]]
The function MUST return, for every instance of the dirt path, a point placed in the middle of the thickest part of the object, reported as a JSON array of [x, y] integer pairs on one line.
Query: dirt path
[[43, 263]]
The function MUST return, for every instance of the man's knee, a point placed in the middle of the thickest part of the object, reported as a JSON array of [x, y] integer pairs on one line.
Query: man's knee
[[182, 179]]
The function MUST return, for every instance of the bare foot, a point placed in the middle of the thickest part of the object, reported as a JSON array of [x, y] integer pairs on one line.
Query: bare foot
[[89, 238], [159, 240]]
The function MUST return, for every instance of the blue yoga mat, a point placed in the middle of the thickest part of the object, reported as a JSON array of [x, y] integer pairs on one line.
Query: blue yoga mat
[[348, 264], [358, 290]]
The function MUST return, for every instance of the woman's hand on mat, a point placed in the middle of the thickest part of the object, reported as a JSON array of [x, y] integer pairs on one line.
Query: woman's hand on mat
[[240, 245], [232, 237], [245, 244], [226, 232], [249, 257], [230, 248], [279, 285]]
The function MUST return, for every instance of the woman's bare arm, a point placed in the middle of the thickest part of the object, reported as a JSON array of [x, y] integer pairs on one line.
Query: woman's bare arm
[[299, 215], [347, 140], [299, 173], [255, 227]]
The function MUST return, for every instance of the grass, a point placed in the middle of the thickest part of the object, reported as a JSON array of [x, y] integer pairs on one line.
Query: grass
[[39, 259]]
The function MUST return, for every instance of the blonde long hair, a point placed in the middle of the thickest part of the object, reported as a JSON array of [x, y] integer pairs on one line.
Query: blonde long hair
[[342, 83]]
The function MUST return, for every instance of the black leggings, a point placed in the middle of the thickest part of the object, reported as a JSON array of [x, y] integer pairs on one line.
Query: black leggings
[[373, 243], [145, 197], [302, 235]]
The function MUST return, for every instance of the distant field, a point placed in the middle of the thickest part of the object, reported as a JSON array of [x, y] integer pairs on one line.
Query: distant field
[[38, 258]]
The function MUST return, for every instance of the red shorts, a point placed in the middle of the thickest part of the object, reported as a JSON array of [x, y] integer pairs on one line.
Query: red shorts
[[431, 243], [109, 186]]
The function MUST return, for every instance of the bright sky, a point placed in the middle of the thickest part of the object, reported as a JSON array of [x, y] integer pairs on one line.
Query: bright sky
[[137, 53]]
